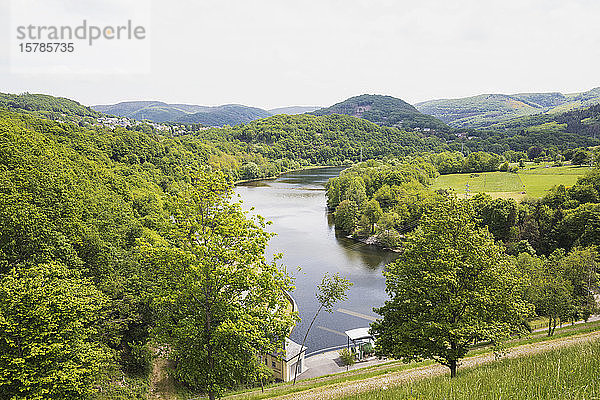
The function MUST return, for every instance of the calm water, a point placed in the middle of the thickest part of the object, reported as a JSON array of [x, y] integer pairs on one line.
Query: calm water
[[296, 205]]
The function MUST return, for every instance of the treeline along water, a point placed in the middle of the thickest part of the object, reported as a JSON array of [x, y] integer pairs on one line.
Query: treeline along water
[[296, 205]]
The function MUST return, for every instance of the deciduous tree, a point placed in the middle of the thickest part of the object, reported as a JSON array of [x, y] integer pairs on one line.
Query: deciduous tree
[[221, 304], [451, 288]]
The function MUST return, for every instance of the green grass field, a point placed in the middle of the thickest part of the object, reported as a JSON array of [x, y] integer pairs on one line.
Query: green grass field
[[566, 373], [532, 181]]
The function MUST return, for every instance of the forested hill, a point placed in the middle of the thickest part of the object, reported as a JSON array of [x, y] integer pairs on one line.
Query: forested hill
[[258, 149], [330, 139], [384, 111], [584, 121], [44, 105], [157, 111], [557, 131], [271, 145], [76, 207], [488, 109]]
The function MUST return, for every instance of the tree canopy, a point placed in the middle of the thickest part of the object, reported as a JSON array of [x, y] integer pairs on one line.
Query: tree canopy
[[49, 334]]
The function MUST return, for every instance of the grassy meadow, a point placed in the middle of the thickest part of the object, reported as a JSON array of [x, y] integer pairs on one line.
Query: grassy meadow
[[565, 373], [533, 181]]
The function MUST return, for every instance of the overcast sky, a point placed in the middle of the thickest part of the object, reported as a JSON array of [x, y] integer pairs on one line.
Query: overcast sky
[[270, 53]]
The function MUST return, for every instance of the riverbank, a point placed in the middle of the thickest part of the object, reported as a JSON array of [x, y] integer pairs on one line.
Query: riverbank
[[372, 241], [295, 205], [270, 178]]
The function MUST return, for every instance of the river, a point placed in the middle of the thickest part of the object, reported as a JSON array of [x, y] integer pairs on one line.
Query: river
[[296, 205]]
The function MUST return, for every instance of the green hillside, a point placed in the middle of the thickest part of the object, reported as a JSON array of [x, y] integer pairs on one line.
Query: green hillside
[[324, 140], [384, 111], [488, 109], [256, 149], [44, 105], [583, 121]]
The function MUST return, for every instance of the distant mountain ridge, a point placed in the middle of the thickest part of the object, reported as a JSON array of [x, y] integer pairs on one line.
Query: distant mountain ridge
[[293, 110], [488, 109], [385, 111], [228, 114], [158, 111]]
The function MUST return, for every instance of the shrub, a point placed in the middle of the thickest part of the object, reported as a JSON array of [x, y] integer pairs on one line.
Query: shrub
[[347, 356]]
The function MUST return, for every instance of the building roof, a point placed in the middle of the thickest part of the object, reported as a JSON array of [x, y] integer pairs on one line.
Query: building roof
[[292, 349], [359, 333]]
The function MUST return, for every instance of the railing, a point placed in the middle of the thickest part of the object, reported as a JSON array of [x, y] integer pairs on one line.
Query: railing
[[321, 351]]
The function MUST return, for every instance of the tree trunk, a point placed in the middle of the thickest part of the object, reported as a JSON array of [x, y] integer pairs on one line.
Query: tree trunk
[[304, 341], [211, 395], [452, 368]]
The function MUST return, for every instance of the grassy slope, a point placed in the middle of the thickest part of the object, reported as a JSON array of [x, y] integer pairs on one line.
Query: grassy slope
[[535, 180], [565, 373], [488, 109], [283, 389]]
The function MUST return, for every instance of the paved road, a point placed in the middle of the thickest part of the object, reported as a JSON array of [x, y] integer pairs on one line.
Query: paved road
[[330, 363]]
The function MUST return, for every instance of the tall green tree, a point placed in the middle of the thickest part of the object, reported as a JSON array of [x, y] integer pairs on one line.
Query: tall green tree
[[221, 304], [50, 334], [562, 284], [580, 269], [346, 216], [451, 288], [372, 212]]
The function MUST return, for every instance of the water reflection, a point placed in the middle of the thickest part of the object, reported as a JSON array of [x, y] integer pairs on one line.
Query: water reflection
[[296, 205]]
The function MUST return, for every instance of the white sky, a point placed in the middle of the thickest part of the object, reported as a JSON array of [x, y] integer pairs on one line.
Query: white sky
[[270, 53]]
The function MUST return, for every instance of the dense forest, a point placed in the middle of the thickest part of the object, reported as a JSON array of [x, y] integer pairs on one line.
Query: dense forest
[[74, 212], [92, 255], [552, 240], [325, 140], [386, 199]]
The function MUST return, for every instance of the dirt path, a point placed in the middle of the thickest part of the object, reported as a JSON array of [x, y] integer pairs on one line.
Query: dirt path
[[396, 378], [162, 386]]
